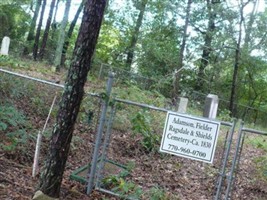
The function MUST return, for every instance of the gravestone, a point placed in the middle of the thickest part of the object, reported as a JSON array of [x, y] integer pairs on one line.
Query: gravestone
[[211, 106], [5, 46], [182, 105]]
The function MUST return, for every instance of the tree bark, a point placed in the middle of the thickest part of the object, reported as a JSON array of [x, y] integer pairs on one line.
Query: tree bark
[[69, 34], [181, 54], [46, 31], [233, 98], [249, 27], [51, 177], [130, 53], [56, 9], [54, 22], [30, 36], [61, 37], [205, 58], [38, 32]]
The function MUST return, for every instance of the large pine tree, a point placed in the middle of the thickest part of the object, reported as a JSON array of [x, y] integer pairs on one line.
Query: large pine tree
[[51, 177]]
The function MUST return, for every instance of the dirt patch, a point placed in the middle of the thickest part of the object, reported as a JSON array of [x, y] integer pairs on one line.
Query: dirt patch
[[179, 178]]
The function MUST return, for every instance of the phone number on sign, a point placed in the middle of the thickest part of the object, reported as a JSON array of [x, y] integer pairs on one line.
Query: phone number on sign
[[186, 151]]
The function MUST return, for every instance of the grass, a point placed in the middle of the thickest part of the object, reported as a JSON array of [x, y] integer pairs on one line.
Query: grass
[[259, 142]]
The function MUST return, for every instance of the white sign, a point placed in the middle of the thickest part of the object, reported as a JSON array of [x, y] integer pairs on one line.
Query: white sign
[[190, 137]]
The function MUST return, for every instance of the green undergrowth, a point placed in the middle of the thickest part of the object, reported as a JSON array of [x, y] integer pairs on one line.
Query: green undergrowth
[[26, 93], [139, 120], [8, 61], [141, 124], [24, 106], [15, 64], [259, 142], [127, 189], [13, 128], [261, 167]]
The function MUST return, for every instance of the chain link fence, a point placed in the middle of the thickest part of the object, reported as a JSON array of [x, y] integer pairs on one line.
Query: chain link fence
[[250, 175], [24, 106], [129, 163], [135, 168]]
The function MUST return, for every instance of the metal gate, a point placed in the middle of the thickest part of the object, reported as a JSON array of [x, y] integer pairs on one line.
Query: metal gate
[[113, 175], [238, 158], [249, 163]]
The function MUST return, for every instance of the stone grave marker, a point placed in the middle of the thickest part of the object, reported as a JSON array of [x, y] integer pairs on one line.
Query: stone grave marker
[[182, 104], [5, 46], [211, 106]]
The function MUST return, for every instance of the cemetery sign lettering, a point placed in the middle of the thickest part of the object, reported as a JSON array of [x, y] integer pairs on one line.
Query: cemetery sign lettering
[[190, 137]]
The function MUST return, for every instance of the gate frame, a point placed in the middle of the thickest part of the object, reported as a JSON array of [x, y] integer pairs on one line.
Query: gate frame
[[94, 174], [237, 155]]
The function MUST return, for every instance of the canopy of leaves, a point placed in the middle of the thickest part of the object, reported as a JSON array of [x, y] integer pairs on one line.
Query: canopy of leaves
[[14, 18]]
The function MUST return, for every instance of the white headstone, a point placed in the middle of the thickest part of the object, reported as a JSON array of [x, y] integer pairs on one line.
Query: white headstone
[[5, 46], [211, 106], [182, 105]]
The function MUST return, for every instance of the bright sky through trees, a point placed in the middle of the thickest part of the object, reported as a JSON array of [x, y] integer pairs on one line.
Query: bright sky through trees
[[119, 4]]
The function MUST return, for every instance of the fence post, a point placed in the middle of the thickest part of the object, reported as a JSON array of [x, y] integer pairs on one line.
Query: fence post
[[227, 152], [90, 184], [235, 159], [105, 145]]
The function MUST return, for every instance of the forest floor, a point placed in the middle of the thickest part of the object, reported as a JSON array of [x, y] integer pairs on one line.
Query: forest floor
[[179, 178]]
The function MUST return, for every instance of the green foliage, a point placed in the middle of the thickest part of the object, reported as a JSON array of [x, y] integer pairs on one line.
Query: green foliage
[[38, 104], [118, 183], [12, 126], [14, 20], [9, 61], [134, 93], [108, 44], [14, 140], [157, 193], [10, 116], [3, 59], [159, 49], [141, 124], [126, 189], [261, 167], [18, 89], [259, 142], [126, 112], [224, 115], [164, 84]]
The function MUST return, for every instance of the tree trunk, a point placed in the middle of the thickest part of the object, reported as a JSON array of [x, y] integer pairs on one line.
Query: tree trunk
[[56, 9], [181, 54], [30, 36], [69, 34], [51, 177], [46, 31], [130, 53], [38, 32], [205, 58], [61, 38], [233, 98], [249, 27], [54, 23]]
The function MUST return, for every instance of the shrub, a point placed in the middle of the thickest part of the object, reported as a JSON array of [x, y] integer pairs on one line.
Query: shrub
[[141, 125], [12, 126]]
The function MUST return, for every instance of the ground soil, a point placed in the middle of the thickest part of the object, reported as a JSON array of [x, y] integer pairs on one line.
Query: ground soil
[[180, 178]]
